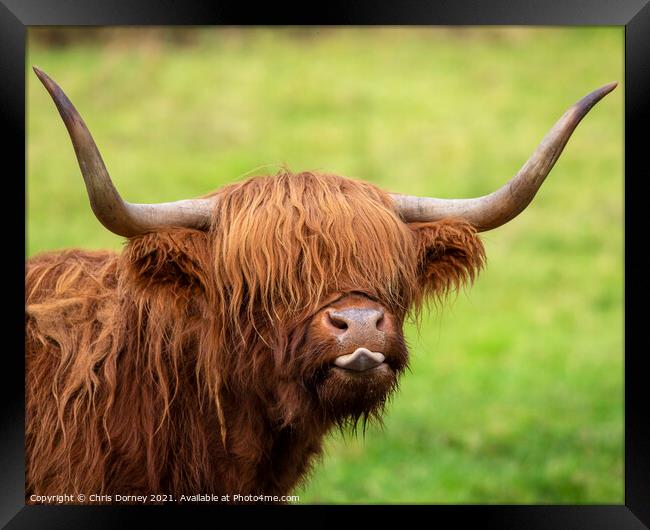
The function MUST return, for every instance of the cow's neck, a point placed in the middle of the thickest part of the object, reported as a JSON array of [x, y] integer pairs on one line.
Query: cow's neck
[[261, 456]]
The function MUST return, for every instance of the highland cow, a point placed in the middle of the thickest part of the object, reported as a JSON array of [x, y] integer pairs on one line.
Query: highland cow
[[214, 353]]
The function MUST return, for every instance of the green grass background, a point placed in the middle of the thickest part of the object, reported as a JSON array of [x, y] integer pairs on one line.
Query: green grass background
[[516, 388]]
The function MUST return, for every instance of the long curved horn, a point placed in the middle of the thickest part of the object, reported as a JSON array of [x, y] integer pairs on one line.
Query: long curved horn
[[120, 217], [499, 207]]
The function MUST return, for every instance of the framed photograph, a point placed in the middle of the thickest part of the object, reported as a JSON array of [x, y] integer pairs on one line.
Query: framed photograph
[[325, 267]]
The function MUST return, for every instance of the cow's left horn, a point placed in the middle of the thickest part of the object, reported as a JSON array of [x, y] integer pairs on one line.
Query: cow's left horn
[[499, 207], [120, 217]]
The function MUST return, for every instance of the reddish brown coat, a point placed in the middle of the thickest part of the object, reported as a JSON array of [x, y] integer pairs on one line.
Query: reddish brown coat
[[186, 363]]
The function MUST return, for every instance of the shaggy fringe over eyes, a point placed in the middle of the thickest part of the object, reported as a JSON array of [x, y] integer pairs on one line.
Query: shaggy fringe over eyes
[[282, 244]]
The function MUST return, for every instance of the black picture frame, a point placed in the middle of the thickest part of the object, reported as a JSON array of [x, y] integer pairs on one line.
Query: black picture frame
[[634, 15]]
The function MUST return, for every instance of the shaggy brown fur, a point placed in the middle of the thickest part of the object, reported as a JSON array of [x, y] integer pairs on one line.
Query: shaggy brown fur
[[187, 364]]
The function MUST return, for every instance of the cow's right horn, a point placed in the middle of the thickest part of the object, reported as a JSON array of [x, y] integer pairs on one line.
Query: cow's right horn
[[499, 207], [120, 217]]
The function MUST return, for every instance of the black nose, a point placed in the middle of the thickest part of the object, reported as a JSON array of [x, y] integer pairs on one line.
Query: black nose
[[357, 324]]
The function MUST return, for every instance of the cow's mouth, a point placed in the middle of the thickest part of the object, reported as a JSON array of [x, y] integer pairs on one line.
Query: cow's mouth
[[361, 360], [357, 384]]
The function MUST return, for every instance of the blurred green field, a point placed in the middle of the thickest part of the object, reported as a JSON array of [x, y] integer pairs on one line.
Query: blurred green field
[[515, 393]]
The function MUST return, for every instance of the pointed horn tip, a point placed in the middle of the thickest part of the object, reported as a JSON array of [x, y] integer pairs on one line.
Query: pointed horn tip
[[609, 87], [580, 108], [39, 73], [47, 81], [601, 92]]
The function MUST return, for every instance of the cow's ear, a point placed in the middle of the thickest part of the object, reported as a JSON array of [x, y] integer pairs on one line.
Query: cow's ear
[[174, 257], [450, 254]]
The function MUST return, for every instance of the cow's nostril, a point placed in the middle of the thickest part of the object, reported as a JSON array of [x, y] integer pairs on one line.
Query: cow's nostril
[[380, 322], [337, 322]]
